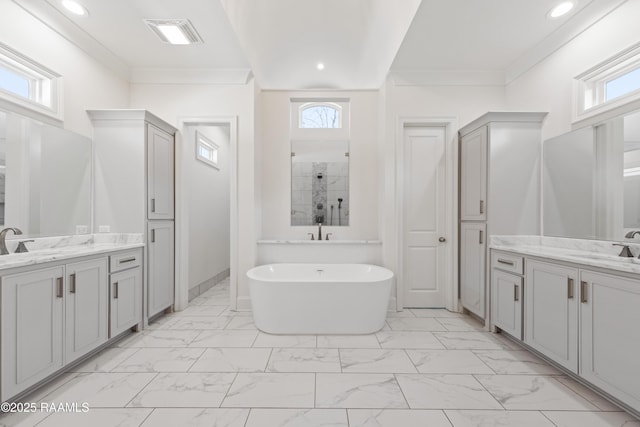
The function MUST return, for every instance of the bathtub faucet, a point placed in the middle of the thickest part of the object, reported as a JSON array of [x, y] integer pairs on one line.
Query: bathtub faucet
[[319, 231]]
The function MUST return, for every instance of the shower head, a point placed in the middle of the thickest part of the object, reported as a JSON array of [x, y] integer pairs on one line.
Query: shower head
[[339, 203]]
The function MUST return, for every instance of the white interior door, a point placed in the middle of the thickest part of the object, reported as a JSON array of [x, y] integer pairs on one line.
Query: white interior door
[[424, 253]]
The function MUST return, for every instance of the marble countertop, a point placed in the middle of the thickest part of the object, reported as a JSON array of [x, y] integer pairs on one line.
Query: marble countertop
[[49, 249], [592, 253], [321, 242]]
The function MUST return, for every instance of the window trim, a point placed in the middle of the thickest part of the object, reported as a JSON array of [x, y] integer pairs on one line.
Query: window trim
[[591, 86], [45, 93], [203, 141]]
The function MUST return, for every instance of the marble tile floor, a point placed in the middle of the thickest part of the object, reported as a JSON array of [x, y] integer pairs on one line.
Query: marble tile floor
[[209, 366]]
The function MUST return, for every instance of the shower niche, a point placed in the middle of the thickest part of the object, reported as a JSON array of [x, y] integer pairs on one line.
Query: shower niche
[[320, 183]]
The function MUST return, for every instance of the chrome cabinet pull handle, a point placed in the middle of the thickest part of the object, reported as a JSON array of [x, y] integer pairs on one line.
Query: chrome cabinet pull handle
[[516, 293], [480, 240], [124, 261], [583, 292], [481, 206], [59, 288], [504, 261], [115, 290], [569, 288], [153, 235], [153, 205], [72, 284]]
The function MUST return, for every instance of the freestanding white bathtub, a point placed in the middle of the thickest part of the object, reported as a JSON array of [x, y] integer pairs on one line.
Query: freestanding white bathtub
[[319, 298]]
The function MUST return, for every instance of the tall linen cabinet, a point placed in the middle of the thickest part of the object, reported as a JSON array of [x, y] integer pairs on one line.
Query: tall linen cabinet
[[500, 156], [134, 192]]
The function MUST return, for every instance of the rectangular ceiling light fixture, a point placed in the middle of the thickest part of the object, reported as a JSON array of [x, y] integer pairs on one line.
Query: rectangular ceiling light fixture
[[174, 31]]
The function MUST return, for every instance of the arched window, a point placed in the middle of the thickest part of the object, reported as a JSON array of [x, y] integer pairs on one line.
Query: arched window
[[324, 115]]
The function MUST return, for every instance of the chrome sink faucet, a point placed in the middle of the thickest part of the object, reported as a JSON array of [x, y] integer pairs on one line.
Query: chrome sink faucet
[[3, 236], [631, 234]]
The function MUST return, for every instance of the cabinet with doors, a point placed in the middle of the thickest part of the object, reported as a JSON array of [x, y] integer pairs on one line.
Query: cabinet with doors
[[473, 244], [86, 303], [551, 307], [609, 334], [125, 290], [134, 192], [582, 319], [50, 317], [506, 292], [499, 190], [161, 266]]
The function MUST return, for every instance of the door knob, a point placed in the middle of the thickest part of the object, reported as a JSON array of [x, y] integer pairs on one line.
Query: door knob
[[442, 239]]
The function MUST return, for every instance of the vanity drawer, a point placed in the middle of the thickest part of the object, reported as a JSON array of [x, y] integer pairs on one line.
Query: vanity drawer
[[507, 262], [125, 260]]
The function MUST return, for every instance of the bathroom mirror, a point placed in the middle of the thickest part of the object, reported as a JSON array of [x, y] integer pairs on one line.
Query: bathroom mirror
[[591, 181], [45, 178], [320, 183]]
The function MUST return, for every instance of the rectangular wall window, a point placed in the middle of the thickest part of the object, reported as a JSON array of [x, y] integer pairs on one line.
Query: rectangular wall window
[[206, 150], [28, 87], [611, 85]]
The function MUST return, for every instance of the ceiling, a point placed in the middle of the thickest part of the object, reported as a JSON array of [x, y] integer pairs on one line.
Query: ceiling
[[360, 42]]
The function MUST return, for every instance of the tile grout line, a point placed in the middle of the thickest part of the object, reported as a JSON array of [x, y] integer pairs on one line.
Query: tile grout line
[[235, 377], [157, 374]]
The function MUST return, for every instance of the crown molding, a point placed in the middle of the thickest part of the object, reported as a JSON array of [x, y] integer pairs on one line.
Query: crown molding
[[584, 19], [59, 23], [185, 76], [446, 78]]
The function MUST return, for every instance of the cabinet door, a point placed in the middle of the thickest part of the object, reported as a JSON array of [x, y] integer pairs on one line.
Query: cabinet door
[[473, 250], [473, 176], [126, 300], [31, 340], [160, 155], [161, 260], [86, 307], [506, 302], [551, 312], [610, 338]]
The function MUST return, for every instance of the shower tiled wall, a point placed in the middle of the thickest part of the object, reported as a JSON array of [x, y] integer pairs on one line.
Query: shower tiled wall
[[312, 197]]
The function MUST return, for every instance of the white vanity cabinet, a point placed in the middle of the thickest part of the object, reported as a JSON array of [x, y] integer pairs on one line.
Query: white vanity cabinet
[[125, 289], [160, 181], [134, 192], [161, 266], [86, 302], [32, 328], [507, 292], [55, 313], [551, 311], [609, 334], [473, 175], [473, 250], [492, 195], [51, 317]]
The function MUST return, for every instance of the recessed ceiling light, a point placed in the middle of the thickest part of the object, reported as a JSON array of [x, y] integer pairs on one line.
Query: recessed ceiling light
[[320, 66], [174, 31], [75, 7], [561, 9]]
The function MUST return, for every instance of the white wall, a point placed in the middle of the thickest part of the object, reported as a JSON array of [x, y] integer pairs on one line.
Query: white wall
[[364, 176], [174, 101], [548, 85], [87, 83], [208, 205], [462, 103]]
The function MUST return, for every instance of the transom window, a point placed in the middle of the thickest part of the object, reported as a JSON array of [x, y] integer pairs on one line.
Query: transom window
[[206, 150], [325, 115], [320, 118], [27, 86], [611, 85]]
